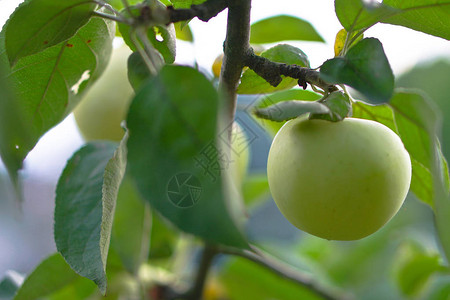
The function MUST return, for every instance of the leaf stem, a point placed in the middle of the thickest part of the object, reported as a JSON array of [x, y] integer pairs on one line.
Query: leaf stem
[[147, 60], [117, 18]]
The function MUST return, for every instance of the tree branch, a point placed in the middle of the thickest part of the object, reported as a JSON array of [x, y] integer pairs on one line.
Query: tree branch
[[235, 48], [272, 71], [204, 11], [281, 270]]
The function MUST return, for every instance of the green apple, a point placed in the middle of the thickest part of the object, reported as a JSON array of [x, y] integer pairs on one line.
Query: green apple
[[105, 105], [338, 180]]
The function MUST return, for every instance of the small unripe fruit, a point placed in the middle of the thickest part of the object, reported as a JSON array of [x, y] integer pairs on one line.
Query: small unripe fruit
[[338, 180], [105, 105]]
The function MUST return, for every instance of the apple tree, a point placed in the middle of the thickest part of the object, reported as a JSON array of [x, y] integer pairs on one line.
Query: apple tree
[[159, 208]]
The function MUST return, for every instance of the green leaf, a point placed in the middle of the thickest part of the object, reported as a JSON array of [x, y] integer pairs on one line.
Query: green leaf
[[380, 113], [339, 107], [416, 122], [164, 238], [245, 280], [283, 28], [138, 72], [131, 229], [37, 25], [365, 68], [418, 13], [183, 33], [293, 94], [46, 86], [287, 110], [185, 3], [118, 4], [12, 136], [162, 38], [414, 14], [432, 78], [173, 156], [49, 276], [414, 267], [8, 287], [255, 189], [358, 14], [85, 202], [252, 83]]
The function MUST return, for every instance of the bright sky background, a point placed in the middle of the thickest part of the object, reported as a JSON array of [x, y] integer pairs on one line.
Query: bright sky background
[[403, 47]]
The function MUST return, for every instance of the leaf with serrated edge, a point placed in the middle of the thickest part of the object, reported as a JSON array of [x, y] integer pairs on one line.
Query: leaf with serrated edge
[[85, 201], [39, 24], [46, 86], [288, 110]]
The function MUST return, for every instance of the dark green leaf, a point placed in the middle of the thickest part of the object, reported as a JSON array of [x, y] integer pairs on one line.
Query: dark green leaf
[[39, 24], [287, 110], [49, 276], [283, 28], [131, 228], [138, 72], [173, 156], [85, 202], [8, 287], [255, 189], [245, 280], [252, 83], [339, 107], [414, 267], [293, 94], [162, 38], [365, 68], [46, 86]]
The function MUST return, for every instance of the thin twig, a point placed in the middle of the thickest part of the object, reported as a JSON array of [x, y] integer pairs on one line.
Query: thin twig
[[204, 11], [280, 269], [118, 19], [151, 68], [272, 71], [196, 292]]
